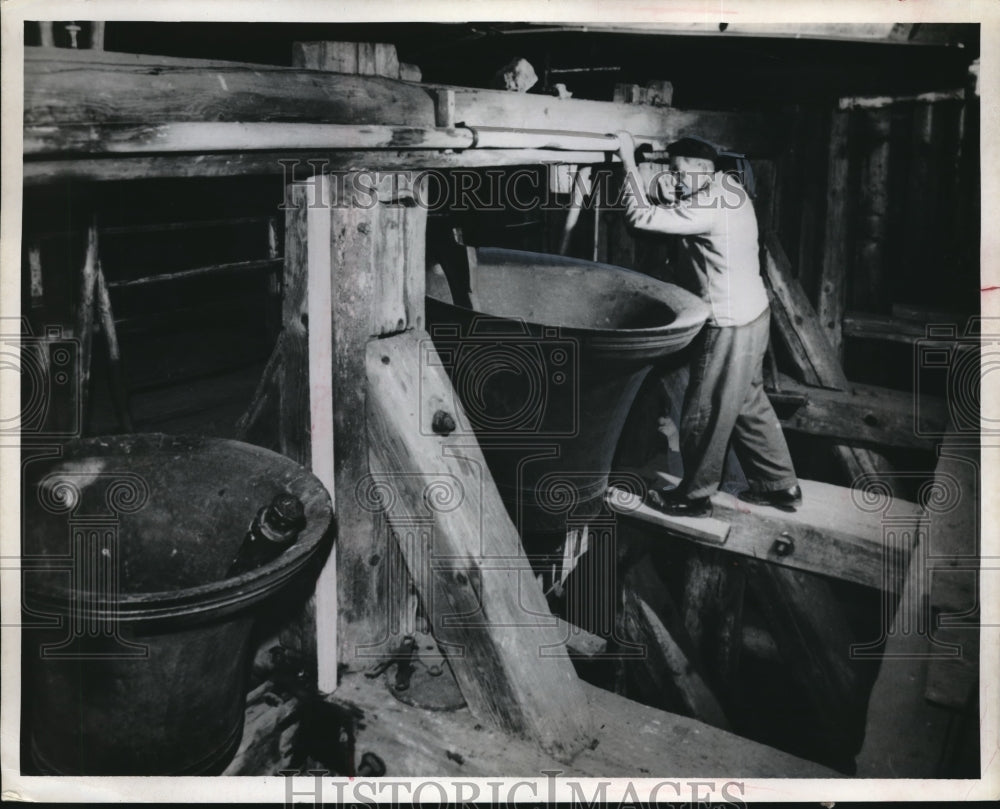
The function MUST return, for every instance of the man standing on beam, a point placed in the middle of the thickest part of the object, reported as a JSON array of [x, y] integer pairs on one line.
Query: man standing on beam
[[725, 400]]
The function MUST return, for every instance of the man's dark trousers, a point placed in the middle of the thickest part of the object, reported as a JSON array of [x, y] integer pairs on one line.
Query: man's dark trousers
[[725, 400]]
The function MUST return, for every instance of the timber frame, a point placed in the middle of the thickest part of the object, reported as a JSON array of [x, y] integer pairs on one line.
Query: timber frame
[[354, 390]]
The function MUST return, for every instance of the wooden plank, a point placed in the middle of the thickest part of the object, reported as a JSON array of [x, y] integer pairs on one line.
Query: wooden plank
[[865, 414], [908, 733], [466, 559], [62, 86], [833, 269], [869, 282], [831, 532], [634, 741]]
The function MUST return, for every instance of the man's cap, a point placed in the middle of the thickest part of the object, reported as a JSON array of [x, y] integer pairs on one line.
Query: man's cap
[[693, 147]]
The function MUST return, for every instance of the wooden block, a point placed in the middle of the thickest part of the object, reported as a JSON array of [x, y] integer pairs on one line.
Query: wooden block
[[703, 529], [408, 72], [386, 61], [485, 607]]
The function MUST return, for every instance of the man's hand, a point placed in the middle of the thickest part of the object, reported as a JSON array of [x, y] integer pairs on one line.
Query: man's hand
[[626, 148]]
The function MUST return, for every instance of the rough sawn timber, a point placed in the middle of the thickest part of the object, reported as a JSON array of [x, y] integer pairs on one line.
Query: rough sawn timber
[[485, 607]]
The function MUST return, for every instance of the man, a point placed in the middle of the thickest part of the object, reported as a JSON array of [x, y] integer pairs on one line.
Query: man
[[725, 400]]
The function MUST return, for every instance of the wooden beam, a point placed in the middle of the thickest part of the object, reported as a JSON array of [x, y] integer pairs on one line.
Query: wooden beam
[[712, 607], [831, 532], [635, 741], [375, 256], [755, 133], [814, 640], [878, 102], [485, 606], [865, 414], [865, 326], [665, 666], [293, 166], [228, 136], [833, 269], [798, 325], [672, 677], [869, 270], [64, 86], [815, 360]]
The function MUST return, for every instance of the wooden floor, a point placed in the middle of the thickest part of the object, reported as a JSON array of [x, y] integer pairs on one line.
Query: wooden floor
[[632, 740]]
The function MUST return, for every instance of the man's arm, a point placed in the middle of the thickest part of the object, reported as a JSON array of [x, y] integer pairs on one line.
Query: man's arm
[[682, 219]]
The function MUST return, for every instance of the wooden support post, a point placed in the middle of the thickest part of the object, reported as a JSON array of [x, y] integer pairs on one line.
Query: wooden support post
[[869, 272], [712, 607], [46, 37], [833, 270], [485, 606], [97, 36]]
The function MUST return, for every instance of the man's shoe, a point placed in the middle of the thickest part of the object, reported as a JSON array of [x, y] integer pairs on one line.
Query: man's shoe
[[784, 499], [670, 501]]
